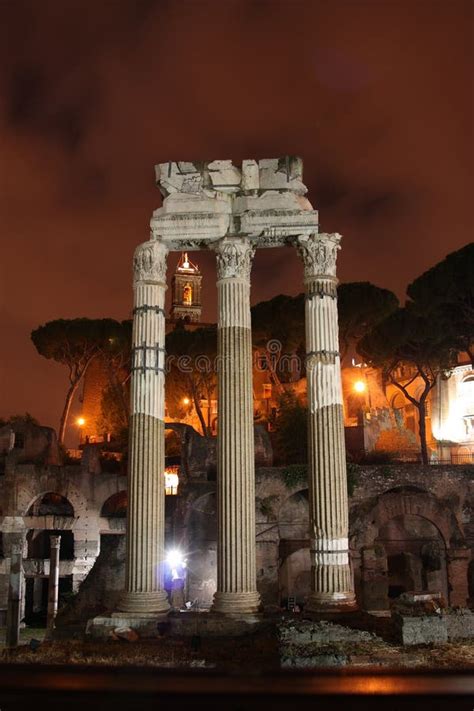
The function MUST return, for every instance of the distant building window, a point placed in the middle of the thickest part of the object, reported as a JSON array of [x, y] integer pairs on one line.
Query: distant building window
[[171, 481], [469, 425], [19, 441], [188, 295], [467, 403]]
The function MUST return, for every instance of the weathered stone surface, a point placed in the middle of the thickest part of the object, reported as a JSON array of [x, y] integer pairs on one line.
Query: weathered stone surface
[[199, 454], [318, 644], [144, 578], [236, 551], [297, 661], [184, 624], [101, 589], [319, 633], [421, 629], [126, 633], [23, 442], [331, 577], [204, 200], [418, 604], [459, 624]]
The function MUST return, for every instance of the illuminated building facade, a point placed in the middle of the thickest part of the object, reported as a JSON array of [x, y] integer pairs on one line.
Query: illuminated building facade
[[378, 416]]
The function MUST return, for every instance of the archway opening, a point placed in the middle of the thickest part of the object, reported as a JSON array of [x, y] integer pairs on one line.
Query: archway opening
[[51, 504], [115, 506], [39, 547], [416, 556]]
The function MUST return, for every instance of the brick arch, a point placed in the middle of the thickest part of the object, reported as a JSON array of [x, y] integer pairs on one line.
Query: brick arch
[[38, 488], [115, 506], [65, 500], [390, 505]]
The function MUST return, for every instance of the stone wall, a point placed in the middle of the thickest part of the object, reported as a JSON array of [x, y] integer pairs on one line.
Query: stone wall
[[380, 494], [82, 489]]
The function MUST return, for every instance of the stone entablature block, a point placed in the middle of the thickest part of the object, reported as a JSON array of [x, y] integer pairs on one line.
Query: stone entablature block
[[205, 201]]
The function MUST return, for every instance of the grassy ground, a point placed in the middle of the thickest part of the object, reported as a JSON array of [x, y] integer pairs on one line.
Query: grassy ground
[[26, 634]]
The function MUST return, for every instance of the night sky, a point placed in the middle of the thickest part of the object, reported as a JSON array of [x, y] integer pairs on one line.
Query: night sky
[[375, 96]]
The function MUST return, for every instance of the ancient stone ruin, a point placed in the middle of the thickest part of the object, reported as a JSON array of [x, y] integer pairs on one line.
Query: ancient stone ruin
[[216, 205]]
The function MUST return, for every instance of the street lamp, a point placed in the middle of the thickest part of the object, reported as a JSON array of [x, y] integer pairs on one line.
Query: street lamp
[[360, 386]]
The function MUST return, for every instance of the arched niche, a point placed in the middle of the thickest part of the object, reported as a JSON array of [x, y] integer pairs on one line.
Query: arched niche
[[51, 504], [115, 506], [416, 556]]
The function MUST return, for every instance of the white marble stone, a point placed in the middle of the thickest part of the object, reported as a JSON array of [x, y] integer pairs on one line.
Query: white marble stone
[[204, 202], [234, 210]]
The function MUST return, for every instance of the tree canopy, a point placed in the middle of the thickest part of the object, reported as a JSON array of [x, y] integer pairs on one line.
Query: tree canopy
[[281, 320], [290, 436], [361, 306], [116, 353], [446, 292], [277, 330], [73, 343], [26, 419], [407, 338], [191, 371]]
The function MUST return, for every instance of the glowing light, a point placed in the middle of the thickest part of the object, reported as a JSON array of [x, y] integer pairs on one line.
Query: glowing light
[[174, 558], [80, 421], [171, 481], [186, 401], [177, 562], [360, 386]]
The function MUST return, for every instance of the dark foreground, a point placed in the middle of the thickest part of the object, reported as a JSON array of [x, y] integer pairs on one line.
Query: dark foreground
[[70, 688]]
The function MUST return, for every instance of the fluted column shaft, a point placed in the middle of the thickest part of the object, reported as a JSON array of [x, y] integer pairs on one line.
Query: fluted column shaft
[[53, 583], [15, 594], [331, 579], [144, 582], [236, 561]]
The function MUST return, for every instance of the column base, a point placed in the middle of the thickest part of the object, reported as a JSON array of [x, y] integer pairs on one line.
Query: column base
[[144, 603], [236, 603], [319, 602]]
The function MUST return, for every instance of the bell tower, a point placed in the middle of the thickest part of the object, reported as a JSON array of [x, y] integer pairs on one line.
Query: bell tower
[[186, 291]]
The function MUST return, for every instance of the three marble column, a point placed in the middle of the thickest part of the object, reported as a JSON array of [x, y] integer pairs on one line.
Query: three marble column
[[144, 576], [236, 571], [331, 578]]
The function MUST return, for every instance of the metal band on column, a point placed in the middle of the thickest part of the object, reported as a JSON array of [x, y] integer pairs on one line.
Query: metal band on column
[[331, 579], [146, 490], [236, 569]]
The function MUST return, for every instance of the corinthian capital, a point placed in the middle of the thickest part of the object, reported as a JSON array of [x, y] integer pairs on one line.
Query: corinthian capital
[[234, 258], [149, 262], [319, 254]]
